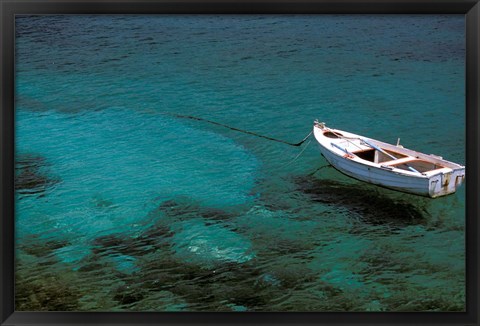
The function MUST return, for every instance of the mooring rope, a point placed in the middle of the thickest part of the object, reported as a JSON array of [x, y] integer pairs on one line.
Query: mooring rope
[[298, 155], [239, 130], [320, 168]]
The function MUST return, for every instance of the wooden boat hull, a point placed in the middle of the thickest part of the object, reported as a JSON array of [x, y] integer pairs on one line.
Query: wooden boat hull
[[441, 181]]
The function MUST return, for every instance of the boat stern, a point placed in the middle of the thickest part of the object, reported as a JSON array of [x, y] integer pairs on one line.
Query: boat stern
[[446, 182]]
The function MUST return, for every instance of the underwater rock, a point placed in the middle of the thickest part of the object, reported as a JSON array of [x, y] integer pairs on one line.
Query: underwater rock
[[29, 177], [44, 293], [372, 207], [183, 208], [195, 242]]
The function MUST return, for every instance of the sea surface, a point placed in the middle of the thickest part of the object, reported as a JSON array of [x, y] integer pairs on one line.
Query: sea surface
[[121, 206]]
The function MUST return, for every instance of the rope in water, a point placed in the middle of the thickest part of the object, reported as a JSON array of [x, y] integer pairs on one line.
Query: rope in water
[[298, 155], [239, 130], [320, 168]]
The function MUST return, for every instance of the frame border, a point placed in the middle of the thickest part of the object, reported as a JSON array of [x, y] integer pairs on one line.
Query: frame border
[[10, 8]]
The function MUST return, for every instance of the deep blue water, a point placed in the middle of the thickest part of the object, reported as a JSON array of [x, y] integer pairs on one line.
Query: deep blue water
[[122, 207]]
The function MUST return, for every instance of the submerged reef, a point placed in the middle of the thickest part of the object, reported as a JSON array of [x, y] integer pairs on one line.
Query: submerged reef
[[188, 257], [182, 257]]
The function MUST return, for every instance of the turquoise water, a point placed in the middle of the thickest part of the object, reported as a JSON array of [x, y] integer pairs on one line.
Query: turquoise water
[[121, 207]]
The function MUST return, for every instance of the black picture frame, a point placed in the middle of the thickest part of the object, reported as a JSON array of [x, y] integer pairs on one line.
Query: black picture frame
[[10, 8]]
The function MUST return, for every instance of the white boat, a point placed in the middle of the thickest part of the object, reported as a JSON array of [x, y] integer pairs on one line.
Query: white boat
[[387, 165]]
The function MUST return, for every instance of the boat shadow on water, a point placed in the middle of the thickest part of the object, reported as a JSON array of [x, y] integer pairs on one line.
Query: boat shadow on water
[[369, 204]]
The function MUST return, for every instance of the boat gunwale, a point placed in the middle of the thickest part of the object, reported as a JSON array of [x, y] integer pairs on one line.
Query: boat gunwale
[[319, 135]]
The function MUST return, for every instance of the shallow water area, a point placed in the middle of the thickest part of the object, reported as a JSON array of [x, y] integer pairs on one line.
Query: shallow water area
[[121, 206]]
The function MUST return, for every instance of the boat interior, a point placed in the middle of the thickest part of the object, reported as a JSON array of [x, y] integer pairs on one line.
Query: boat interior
[[400, 161]]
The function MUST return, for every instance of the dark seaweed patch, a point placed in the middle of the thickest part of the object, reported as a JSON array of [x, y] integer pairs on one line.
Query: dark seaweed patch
[[149, 241], [154, 233], [92, 267], [183, 208], [293, 276], [36, 246], [213, 287], [382, 260], [246, 285], [282, 246], [109, 243], [425, 300], [221, 288], [126, 294], [29, 177], [205, 288]]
